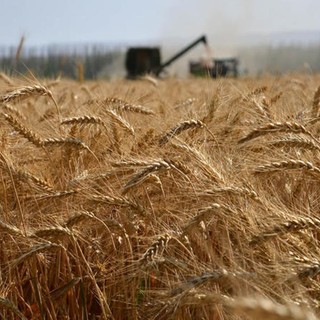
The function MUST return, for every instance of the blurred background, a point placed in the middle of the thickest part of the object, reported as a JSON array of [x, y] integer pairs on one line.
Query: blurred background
[[65, 37]]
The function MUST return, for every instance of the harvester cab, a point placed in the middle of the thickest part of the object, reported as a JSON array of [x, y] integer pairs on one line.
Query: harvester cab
[[143, 60]]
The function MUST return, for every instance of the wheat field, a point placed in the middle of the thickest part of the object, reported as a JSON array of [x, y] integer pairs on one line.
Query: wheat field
[[160, 199]]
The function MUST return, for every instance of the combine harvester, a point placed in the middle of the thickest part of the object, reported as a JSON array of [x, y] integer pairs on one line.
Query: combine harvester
[[144, 60]]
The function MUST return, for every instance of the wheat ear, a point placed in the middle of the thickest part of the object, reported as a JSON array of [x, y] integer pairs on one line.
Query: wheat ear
[[8, 304], [65, 141], [296, 142], [287, 227], [24, 93], [83, 120], [122, 105], [203, 214], [220, 275], [10, 229], [143, 174], [290, 164], [35, 250], [155, 247], [120, 121], [276, 127], [180, 127], [269, 310], [25, 132]]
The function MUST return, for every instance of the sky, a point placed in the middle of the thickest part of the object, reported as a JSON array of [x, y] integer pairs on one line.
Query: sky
[[45, 22]]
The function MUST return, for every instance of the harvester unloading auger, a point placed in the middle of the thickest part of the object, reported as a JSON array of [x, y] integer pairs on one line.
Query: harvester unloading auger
[[144, 60]]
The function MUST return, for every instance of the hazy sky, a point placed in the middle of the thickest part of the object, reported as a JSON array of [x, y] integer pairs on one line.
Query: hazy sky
[[62, 21]]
